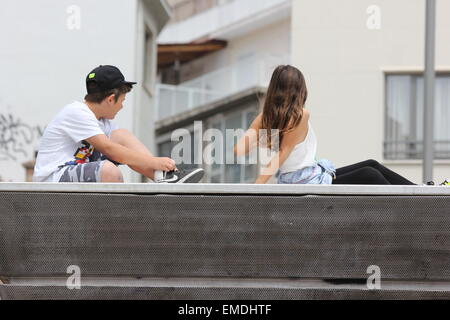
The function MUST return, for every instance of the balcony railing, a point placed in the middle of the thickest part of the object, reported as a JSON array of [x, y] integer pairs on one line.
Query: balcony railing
[[220, 18], [248, 72], [413, 150]]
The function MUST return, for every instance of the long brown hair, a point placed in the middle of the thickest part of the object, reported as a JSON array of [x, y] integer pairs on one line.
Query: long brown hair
[[284, 102]]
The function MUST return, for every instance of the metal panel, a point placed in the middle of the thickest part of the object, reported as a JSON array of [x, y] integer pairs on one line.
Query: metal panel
[[259, 236]]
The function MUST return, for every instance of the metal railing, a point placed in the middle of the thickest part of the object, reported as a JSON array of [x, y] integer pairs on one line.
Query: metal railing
[[218, 18], [413, 150], [248, 72], [172, 100]]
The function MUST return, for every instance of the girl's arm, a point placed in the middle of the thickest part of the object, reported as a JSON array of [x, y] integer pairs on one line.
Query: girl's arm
[[250, 139], [290, 140]]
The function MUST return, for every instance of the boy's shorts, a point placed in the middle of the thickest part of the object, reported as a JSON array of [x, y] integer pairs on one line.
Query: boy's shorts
[[86, 172]]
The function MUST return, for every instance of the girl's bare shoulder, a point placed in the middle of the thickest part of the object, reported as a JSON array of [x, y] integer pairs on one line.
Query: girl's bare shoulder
[[299, 133]]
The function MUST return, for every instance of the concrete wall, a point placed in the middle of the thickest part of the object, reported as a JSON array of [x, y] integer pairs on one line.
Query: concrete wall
[[44, 64], [145, 63], [252, 43], [220, 20], [344, 63]]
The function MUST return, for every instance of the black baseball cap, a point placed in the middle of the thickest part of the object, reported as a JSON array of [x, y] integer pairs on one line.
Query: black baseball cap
[[105, 78]]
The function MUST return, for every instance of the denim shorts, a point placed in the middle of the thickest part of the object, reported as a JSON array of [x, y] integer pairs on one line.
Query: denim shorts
[[322, 172]]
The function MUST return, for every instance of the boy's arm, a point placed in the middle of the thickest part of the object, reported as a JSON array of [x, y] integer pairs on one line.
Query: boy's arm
[[135, 158], [127, 139]]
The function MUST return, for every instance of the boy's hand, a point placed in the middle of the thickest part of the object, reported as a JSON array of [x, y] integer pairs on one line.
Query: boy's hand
[[164, 164], [122, 154]]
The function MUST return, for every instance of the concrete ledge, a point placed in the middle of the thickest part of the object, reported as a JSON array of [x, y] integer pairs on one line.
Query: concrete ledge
[[225, 189]]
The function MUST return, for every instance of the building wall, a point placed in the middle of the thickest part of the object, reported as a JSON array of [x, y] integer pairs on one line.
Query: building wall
[[231, 18], [145, 60], [183, 9], [344, 63], [45, 60], [252, 43]]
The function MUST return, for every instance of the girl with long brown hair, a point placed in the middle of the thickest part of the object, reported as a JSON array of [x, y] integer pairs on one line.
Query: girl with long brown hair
[[288, 131]]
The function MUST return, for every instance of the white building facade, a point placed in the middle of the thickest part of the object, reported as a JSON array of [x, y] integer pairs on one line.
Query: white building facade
[[363, 61]]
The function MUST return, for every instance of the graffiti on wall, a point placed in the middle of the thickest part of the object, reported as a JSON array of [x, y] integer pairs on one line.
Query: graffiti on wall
[[17, 139]]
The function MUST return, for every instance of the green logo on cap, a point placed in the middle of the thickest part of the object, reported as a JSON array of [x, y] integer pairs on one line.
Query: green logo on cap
[[92, 76]]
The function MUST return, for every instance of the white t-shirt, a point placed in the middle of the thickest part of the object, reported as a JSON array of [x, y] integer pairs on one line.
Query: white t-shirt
[[62, 142]]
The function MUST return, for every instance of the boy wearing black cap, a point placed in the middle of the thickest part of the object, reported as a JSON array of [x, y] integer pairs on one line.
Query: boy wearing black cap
[[83, 144]]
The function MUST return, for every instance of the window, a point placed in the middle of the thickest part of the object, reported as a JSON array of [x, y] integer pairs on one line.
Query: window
[[165, 148], [246, 74], [216, 172], [404, 117], [233, 173]]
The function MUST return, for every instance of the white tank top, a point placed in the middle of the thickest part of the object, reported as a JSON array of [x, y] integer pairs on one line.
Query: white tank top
[[303, 155]]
